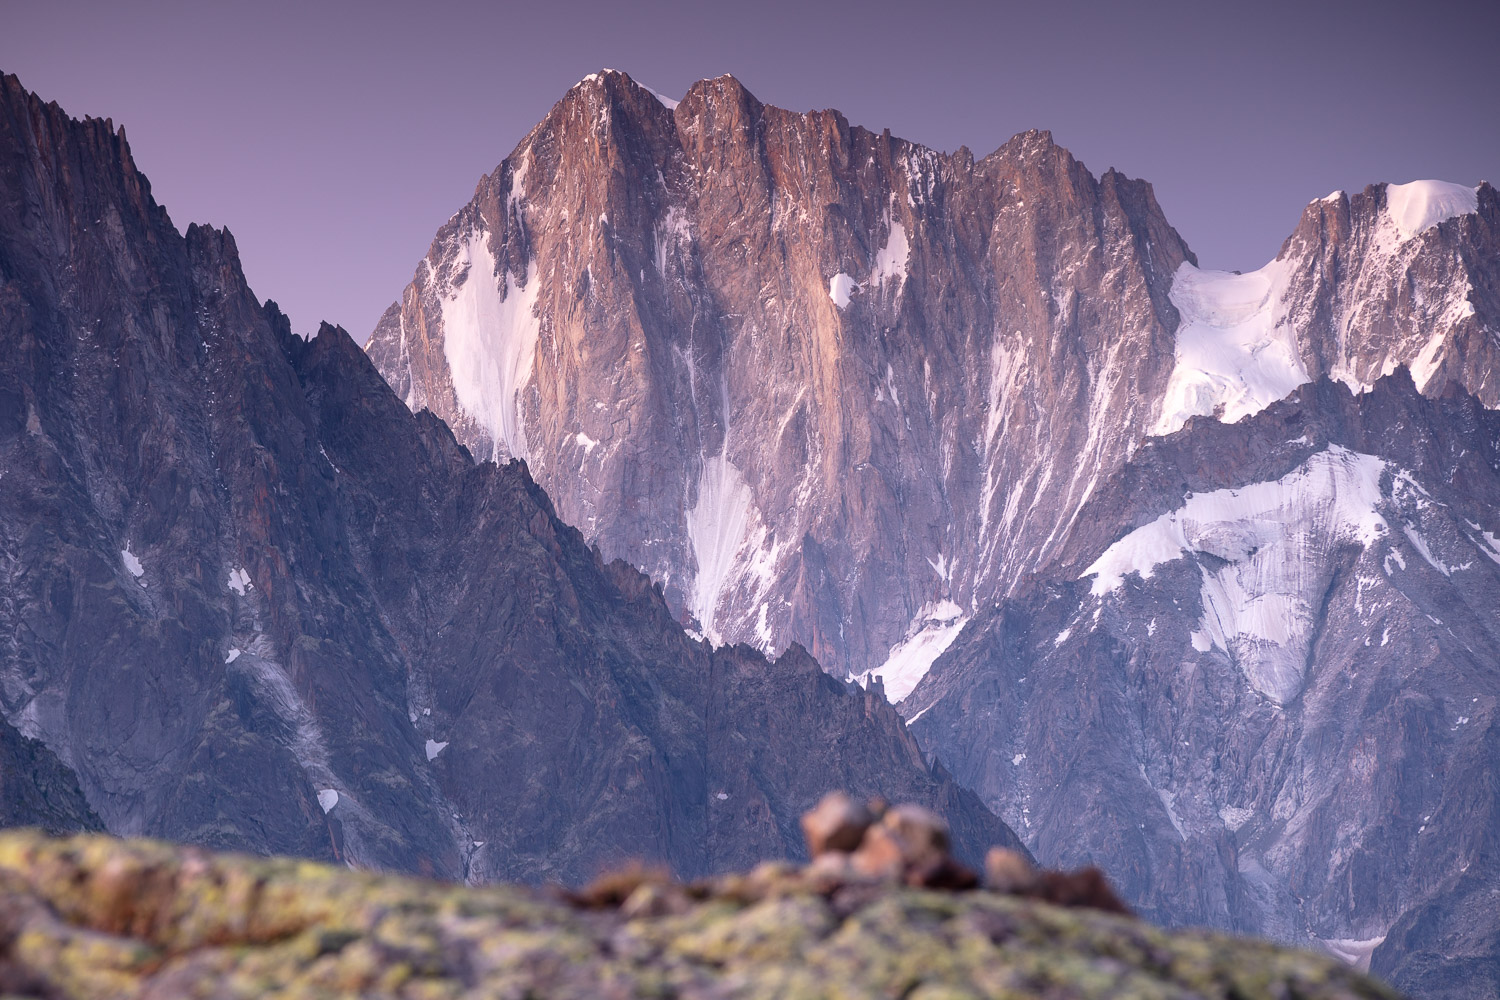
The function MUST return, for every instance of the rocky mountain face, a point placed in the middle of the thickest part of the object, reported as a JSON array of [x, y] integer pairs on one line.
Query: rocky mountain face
[[1267, 699], [1222, 547], [833, 388], [250, 601], [36, 789], [796, 371]]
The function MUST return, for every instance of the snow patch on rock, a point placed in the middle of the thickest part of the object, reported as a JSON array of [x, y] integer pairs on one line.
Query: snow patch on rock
[[490, 332], [1416, 207], [840, 287], [716, 525], [1235, 817], [327, 798], [1355, 952], [434, 748], [890, 261], [674, 230], [931, 632], [1268, 545], [132, 563], [1236, 348], [239, 581], [517, 185]]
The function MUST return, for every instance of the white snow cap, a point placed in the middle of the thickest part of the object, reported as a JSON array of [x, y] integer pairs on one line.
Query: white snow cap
[[132, 564], [1420, 205], [666, 101], [840, 287], [327, 798]]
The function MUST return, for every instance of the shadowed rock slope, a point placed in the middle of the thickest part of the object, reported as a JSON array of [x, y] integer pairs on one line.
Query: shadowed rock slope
[[252, 602], [93, 917], [1261, 689]]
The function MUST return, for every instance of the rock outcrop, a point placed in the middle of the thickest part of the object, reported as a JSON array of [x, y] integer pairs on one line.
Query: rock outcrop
[[91, 918], [252, 602]]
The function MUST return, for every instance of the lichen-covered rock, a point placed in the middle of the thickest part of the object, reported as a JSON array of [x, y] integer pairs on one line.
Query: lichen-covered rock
[[97, 917]]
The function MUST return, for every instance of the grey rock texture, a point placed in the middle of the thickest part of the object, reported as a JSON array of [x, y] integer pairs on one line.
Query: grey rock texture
[[252, 602], [36, 789], [1284, 725]]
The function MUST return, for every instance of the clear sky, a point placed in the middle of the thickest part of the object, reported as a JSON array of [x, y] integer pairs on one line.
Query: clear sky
[[334, 138]]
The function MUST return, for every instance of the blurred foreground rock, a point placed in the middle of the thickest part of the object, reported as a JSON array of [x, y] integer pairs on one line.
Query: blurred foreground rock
[[92, 916]]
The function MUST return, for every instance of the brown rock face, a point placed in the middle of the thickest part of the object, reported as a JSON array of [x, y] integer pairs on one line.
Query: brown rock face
[[810, 377]]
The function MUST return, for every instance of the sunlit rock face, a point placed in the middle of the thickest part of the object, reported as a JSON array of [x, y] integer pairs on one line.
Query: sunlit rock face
[[815, 380]]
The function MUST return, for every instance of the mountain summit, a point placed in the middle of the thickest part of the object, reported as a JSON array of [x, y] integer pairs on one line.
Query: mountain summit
[[834, 388]]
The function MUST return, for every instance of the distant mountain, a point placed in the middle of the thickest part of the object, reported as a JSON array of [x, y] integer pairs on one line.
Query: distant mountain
[[835, 389], [250, 601]]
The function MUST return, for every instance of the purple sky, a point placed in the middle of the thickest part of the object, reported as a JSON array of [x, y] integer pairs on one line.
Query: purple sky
[[334, 138]]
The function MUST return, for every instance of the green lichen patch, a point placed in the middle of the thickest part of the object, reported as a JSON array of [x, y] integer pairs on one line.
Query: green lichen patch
[[95, 917]]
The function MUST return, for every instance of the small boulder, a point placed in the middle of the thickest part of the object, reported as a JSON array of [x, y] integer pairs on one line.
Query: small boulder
[[944, 873], [880, 856], [838, 823], [921, 833], [1007, 871]]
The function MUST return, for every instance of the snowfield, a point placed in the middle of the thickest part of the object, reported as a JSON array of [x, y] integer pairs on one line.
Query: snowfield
[[1236, 350], [1268, 545]]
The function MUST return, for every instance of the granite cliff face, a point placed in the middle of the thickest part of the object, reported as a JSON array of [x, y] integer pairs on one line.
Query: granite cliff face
[[796, 371], [251, 601], [1222, 547]]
